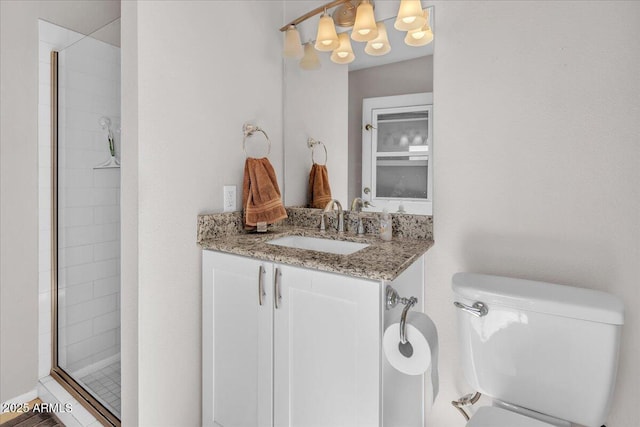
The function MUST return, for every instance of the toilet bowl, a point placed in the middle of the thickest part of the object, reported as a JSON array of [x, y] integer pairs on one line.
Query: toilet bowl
[[546, 354]]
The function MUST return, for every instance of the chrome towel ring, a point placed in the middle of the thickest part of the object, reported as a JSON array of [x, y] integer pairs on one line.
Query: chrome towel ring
[[312, 144], [248, 130]]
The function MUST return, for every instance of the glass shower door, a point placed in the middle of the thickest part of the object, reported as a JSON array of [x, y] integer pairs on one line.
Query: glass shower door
[[86, 356]]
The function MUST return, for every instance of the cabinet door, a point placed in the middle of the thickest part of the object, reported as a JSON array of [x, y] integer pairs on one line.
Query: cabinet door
[[326, 350], [236, 342]]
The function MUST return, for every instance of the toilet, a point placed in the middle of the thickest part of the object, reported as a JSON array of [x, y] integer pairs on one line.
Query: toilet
[[545, 354]]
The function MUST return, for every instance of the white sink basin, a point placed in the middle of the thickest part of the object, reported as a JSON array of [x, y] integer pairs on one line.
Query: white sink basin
[[338, 247]]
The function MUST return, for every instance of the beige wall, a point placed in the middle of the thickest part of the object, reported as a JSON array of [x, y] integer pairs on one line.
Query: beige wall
[[199, 78], [536, 162], [400, 78], [19, 175]]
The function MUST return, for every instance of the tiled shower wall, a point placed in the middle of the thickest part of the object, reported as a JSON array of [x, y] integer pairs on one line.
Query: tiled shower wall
[[89, 202]]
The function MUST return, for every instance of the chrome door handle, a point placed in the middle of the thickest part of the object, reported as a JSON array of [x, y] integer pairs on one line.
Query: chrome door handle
[[277, 296], [261, 292], [478, 309]]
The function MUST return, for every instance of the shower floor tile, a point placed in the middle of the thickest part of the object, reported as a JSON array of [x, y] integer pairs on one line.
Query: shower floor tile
[[104, 384]]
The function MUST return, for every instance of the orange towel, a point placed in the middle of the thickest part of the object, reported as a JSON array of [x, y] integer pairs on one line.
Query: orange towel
[[319, 190], [260, 193]]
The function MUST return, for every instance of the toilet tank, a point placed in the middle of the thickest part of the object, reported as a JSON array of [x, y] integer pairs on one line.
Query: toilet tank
[[549, 348]]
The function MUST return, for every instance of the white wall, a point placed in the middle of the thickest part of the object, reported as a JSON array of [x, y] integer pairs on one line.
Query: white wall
[[315, 106], [536, 162], [129, 216], [19, 176], [195, 90]]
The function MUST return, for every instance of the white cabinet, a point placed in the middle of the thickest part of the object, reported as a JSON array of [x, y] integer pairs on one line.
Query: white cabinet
[[237, 333], [326, 350], [310, 355]]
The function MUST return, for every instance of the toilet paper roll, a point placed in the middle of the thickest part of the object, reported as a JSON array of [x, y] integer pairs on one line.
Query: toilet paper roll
[[423, 336]]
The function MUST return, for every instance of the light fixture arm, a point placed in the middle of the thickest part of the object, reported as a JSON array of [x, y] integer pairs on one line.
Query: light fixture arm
[[314, 12]]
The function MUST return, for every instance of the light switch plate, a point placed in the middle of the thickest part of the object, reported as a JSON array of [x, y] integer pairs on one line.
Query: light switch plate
[[229, 198]]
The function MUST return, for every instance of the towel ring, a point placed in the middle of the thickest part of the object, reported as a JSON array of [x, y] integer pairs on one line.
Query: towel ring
[[248, 130], [312, 143]]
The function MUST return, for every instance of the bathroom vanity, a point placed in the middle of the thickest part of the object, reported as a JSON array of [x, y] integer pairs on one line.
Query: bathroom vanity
[[292, 337]]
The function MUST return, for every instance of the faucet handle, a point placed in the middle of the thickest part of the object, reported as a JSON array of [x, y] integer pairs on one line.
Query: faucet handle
[[322, 223], [357, 204]]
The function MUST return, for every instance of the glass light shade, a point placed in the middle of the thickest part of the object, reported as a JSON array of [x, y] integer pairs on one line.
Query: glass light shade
[[310, 61], [422, 36], [380, 45], [365, 28], [292, 45], [326, 38], [344, 53], [410, 16]]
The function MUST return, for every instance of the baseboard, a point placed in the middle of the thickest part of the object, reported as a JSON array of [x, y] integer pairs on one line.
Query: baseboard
[[17, 403], [23, 398]]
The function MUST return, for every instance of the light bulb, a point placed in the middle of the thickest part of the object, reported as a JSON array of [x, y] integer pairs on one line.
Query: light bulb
[[380, 45], [420, 36], [326, 38], [365, 28], [310, 61], [410, 15], [344, 53], [292, 45]]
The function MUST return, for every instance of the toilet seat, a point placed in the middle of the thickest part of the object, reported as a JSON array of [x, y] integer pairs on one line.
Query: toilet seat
[[491, 416]]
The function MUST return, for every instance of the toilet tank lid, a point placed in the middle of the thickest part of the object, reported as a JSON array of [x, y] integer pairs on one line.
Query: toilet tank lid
[[541, 297]]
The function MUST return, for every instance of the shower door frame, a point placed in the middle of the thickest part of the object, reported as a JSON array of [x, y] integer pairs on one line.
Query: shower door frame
[[86, 399]]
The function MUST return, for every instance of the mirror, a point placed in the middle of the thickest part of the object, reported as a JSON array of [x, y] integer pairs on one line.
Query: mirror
[[327, 105]]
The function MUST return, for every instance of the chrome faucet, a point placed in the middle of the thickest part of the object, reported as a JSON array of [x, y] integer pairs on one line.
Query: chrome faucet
[[357, 206], [330, 207]]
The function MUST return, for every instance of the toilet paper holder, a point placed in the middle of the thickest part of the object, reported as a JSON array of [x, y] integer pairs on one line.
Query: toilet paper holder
[[392, 299]]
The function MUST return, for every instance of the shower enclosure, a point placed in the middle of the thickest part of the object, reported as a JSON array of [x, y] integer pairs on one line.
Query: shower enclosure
[[85, 100]]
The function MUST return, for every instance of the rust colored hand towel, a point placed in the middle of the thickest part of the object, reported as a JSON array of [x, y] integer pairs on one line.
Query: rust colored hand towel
[[260, 193], [319, 190]]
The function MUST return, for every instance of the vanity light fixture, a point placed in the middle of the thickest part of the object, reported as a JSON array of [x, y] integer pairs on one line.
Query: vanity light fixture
[[292, 45], [421, 36], [380, 45], [344, 53], [410, 16], [359, 14], [310, 61], [365, 28], [327, 38]]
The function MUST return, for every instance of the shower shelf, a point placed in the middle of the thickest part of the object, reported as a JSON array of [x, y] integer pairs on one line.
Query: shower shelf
[[109, 164]]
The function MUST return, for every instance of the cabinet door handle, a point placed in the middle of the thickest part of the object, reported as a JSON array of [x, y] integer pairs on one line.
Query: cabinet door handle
[[261, 292], [277, 296]]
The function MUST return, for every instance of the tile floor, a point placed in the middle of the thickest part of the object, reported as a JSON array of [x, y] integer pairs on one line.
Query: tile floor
[[104, 384]]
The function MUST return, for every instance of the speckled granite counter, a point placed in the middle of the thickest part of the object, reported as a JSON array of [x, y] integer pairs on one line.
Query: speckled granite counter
[[379, 261]]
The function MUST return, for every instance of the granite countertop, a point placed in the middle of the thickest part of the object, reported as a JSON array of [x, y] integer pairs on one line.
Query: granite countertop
[[379, 261]]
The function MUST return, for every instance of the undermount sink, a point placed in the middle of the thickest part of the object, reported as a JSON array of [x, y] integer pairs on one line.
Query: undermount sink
[[338, 247]]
